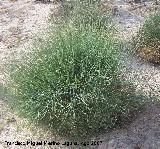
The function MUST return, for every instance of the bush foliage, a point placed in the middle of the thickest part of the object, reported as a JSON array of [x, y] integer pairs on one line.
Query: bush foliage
[[148, 39], [71, 84], [84, 12]]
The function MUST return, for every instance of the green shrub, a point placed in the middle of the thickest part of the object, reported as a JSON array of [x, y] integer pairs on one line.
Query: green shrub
[[148, 39], [72, 83], [85, 12]]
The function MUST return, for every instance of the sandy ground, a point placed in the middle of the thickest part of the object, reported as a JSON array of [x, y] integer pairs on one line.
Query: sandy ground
[[21, 20]]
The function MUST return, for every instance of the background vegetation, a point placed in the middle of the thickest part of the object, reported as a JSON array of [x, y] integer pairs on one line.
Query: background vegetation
[[148, 39]]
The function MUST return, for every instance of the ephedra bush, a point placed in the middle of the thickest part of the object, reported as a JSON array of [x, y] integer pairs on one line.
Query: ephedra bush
[[71, 83], [148, 40]]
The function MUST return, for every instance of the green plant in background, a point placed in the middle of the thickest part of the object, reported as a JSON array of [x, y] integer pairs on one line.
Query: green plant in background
[[148, 39], [72, 83], [85, 12]]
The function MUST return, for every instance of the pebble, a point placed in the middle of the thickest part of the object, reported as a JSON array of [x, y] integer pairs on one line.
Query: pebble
[[1, 38]]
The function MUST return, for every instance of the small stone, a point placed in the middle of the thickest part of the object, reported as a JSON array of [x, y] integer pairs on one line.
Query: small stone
[[137, 1], [13, 0], [1, 38], [11, 120]]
